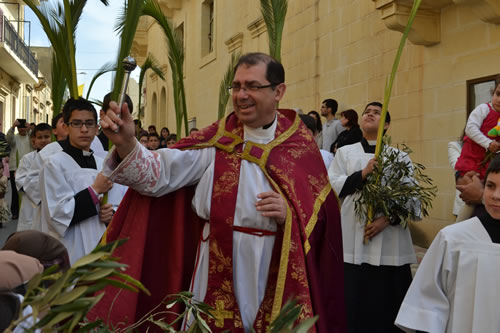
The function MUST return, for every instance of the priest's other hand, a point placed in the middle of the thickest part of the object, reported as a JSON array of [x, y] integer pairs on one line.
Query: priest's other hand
[[102, 184], [271, 204], [374, 228], [106, 213], [119, 127], [370, 166]]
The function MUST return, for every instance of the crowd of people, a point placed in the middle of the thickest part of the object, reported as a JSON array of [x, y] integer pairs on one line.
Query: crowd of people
[[247, 213]]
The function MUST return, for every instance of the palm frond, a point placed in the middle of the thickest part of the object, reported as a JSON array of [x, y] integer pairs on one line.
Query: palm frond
[[106, 68], [227, 80], [274, 14], [58, 85], [176, 61], [149, 63], [129, 19]]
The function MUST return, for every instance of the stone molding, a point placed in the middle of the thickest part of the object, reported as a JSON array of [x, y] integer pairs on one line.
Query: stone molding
[[426, 29], [234, 42], [257, 27]]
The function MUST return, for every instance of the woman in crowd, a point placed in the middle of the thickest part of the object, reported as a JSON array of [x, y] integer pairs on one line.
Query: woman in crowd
[[352, 134]]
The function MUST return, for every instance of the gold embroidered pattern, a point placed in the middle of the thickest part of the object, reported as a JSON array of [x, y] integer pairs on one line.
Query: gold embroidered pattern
[[314, 217], [220, 314], [218, 262]]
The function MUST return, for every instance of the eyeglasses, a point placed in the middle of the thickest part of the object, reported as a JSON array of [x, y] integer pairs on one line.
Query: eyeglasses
[[253, 87], [78, 123]]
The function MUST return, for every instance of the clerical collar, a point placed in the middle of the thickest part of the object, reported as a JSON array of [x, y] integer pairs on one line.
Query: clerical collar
[[262, 135], [85, 159], [269, 125], [368, 146], [491, 225]]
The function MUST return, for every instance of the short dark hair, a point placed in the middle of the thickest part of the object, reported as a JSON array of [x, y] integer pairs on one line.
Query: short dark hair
[[275, 73], [319, 126], [107, 99], [387, 116], [42, 127], [351, 116], [138, 122], [493, 167], [80, 104], [497, 83], [331, 104], [152, 126], [165, 128], [309, 121], [154, 135], [143, 134], [171, 137], [56, 119]]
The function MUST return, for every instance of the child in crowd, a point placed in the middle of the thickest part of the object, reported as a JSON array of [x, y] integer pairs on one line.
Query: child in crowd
[[480, 138], [143, 139], [25, 179], [171, 140], [153, 141], [456, 287], [4, 209]]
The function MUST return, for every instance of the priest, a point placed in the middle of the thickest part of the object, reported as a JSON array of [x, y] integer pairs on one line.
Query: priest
[[269, 217]]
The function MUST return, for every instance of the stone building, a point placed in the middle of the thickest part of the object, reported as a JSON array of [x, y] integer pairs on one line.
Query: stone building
[[344, 49], [24, 93]]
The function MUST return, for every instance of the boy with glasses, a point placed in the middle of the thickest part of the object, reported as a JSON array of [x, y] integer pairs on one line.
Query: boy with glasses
[[71, 185]]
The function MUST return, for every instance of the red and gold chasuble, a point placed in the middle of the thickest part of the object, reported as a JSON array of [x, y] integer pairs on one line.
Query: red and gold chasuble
[[307, 259]]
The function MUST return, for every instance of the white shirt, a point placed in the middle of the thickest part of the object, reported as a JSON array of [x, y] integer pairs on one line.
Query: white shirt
[[393, 246], [454, 150], [165, 170], [456, 288], [19, 146]]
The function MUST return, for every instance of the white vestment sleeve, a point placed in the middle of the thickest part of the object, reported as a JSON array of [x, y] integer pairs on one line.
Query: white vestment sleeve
[[472, 130], [426, 306], [156, 173]]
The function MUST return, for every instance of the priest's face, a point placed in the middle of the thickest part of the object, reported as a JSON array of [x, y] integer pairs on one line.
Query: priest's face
[[82, 128], [253, 102], [491, 195]]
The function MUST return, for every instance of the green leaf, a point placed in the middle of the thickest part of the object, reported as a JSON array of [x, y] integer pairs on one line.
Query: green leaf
[[69, 296], [133, 281], [90, 326], [58, 318], [90, 258], [97, 274]]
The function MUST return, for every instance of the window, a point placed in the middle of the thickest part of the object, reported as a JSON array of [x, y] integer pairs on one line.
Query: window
[[479, 91], [207, 27]]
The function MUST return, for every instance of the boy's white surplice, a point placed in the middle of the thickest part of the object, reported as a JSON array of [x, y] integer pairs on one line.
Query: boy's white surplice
[[457, 287], [61, 178], [393, 246], [25, 181]]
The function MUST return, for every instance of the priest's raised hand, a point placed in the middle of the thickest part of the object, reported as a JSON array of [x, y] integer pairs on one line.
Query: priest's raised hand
[[118, 125]]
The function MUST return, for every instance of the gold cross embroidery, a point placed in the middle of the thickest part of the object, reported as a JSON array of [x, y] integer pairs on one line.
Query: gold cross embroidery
[[220, 314]]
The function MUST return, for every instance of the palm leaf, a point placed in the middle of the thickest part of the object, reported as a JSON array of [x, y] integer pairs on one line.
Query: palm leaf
[[149, 63], [388, 91], [128, 20], [108, 67], [227, 80], [274, 14], [176, 61], [58, 85]]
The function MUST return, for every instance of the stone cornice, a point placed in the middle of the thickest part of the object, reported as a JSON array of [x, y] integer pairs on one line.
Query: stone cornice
[[426, 29], [234, 42], [487, 10], [257, 27]]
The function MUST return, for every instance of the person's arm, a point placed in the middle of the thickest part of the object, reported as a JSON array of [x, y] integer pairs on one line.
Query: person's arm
[[472, 130], [10, 137]]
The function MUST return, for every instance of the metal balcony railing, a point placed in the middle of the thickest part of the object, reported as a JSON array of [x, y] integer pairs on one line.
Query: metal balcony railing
[[9, 35]]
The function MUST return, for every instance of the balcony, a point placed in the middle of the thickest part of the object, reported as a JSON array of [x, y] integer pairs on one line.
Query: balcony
[[15, 57]]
